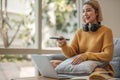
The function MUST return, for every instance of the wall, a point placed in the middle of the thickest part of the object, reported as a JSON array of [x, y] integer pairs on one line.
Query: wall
[[111, 15]]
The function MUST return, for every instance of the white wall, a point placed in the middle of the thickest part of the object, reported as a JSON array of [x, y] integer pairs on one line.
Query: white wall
[[111, 15]]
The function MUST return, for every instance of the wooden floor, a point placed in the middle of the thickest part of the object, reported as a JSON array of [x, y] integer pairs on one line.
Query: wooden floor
[[11, 70]]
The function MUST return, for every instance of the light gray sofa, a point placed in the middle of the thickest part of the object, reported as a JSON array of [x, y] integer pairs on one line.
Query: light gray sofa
[[116, 57], [115, 61]]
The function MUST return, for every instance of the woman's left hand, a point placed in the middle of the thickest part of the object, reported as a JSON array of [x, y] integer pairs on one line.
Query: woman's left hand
[[77, 60]]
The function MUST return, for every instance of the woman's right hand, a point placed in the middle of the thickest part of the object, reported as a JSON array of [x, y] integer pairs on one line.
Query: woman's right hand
[[61, 41]]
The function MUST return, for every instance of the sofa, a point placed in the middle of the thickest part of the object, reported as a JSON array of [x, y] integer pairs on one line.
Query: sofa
[[116, 58], [115, 61]]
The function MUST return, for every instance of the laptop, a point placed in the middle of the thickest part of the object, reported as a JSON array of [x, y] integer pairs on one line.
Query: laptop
[[46, 69]]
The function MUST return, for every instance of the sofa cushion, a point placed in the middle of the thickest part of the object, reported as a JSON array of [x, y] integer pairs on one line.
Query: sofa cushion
[[84, 68], [116, 58]]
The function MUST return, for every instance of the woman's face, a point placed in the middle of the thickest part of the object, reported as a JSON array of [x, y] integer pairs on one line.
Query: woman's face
[[89, 14]]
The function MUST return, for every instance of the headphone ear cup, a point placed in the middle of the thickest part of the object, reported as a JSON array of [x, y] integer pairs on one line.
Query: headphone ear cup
[[85, 28], [94, 27]]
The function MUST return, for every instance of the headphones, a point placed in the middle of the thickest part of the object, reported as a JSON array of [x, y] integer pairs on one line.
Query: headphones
[[93, 27]]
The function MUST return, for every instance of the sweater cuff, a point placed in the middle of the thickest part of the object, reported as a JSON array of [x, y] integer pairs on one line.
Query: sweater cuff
[[84, 56]]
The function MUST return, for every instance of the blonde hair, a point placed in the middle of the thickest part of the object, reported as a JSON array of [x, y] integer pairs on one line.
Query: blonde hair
[[96, 6]]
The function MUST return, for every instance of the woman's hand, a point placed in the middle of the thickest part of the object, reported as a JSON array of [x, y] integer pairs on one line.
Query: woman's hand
[[77, 60], [61, 41]]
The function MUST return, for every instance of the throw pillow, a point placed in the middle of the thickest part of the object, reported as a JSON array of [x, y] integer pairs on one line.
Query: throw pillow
[[84, 68]]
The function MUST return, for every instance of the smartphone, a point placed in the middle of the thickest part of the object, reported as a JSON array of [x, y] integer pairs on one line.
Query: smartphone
[[57, 38]]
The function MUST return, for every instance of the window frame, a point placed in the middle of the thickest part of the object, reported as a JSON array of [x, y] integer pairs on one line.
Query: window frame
[[38, 36]]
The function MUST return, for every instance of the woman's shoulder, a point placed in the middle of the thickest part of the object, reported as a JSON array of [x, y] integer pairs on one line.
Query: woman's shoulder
[[79, 30], [105, 28]]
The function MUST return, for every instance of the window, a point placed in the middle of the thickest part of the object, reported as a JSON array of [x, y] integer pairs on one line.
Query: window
[[59, 18], [35, 22], [19, 26]]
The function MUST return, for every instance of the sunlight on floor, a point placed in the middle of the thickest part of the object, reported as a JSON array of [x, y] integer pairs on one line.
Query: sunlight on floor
[[11, 70], [27, 72]]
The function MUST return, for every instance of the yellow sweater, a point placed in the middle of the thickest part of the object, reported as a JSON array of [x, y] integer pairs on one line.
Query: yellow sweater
[[91, 45]]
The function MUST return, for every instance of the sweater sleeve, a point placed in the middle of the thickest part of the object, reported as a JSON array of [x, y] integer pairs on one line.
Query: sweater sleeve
[[73, 49], [106, 52]]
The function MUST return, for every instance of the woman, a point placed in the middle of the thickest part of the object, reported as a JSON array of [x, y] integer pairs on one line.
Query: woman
[[92, 42]]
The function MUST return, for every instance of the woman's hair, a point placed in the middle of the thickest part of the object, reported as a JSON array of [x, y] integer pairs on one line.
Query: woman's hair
[[97, 8]]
